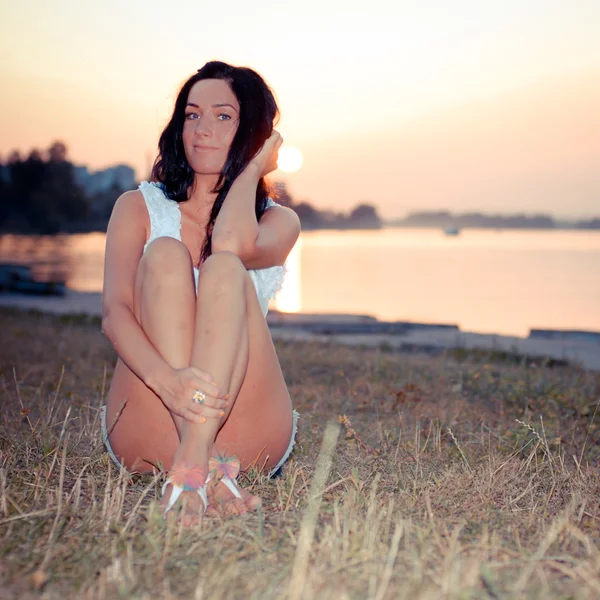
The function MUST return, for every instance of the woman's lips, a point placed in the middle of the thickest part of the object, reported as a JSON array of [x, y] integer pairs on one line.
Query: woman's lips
[[202, 148]]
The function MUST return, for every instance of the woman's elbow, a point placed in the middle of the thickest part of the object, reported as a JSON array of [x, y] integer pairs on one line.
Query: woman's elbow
[[233, 244], [106, 324], [109, 319]]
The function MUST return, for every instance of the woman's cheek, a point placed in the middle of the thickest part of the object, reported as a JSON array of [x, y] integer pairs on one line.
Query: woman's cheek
[[230, 132]]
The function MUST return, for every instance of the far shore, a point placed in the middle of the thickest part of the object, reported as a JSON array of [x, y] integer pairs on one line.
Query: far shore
[[363, 330]]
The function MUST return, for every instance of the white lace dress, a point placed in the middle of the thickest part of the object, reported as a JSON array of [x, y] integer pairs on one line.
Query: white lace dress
[[165, 221]]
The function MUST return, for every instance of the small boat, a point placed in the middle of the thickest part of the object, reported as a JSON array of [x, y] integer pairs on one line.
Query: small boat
[[451, 230], [19, 278]]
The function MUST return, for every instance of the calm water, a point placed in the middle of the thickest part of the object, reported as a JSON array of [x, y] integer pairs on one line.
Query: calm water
[[485, 281]]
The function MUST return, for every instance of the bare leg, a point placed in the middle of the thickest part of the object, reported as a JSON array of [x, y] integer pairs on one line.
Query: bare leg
[[221, 347], [212, 329]]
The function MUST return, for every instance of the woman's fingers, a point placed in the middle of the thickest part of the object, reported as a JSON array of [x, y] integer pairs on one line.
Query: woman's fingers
[[201, 414], [208, 394], [188, 415], [207, 384], [274, 142], [208, 400], [207, 389], [202, 375], [207, 411]]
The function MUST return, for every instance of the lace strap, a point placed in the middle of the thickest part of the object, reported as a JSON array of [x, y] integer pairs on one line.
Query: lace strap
[[149, 192], [165, 217]]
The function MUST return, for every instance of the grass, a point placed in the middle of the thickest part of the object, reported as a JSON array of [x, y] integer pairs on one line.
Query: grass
[[414, 476]]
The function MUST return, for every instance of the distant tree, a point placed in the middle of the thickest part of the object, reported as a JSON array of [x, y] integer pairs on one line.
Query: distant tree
[[588, 224], [57, 152], [101, 204], [365, 216], [13, 157], [309, 216], [41, 195]]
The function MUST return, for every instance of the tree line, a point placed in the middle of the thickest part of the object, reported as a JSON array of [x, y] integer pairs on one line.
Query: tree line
[[363, 216], [39, 194], [445, 219]]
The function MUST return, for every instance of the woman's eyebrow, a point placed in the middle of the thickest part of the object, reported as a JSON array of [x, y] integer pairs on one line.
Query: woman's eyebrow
[[224, 104], [220, 105]]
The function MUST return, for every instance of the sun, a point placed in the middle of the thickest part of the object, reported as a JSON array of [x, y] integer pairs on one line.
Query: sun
[[290, 159]]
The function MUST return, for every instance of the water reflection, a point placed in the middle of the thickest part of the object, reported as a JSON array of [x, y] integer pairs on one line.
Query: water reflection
[[289, 298], [76, 259], [486, 281]]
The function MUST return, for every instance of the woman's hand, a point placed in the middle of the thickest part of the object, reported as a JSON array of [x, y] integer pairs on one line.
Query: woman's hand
[[265, 160], [177, 393]]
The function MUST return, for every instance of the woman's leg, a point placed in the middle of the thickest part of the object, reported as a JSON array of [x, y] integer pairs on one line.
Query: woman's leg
[[142, 431], [221, 348], [167, 307], [220, 345]]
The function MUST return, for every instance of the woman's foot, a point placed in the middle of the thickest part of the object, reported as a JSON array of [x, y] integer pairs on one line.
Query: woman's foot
[[226, 498], [222, 503], [185, 493]]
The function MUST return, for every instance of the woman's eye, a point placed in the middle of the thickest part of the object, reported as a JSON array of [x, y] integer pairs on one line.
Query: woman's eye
[[224, 117], [191, 116]]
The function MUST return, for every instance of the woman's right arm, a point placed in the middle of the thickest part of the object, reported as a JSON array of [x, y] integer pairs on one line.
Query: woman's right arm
[[125, 239]]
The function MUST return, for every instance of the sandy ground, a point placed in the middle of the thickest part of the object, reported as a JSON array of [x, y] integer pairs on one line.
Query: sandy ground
[[289, 327]]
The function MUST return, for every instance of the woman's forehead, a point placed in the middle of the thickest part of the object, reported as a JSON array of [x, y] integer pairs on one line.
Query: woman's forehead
[[212, 91]]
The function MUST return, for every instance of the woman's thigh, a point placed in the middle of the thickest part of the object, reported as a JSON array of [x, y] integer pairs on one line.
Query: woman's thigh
[[258, 429]]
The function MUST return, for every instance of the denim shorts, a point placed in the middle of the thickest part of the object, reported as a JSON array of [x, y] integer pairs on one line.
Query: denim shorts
[[274, 472]]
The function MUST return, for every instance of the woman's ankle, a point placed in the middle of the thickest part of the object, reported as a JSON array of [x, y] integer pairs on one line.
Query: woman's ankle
[[192, 452]]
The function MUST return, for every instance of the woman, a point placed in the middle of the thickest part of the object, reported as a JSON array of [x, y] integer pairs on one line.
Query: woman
[[191, 262]]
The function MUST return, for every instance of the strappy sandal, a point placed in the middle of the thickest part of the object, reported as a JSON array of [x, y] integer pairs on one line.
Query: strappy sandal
[[226, 469], [187, 478]]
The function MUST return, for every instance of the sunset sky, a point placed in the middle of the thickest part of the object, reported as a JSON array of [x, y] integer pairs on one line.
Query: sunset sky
[[410, 105]]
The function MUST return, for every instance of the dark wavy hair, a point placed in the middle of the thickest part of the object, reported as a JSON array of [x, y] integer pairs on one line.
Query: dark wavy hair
[[258, 115]]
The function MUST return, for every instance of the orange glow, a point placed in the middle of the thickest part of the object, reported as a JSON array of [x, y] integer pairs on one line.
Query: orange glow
[[290, 159], [487, 106]]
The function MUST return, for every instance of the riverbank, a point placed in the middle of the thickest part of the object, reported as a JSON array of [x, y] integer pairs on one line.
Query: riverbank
[[362, 330]]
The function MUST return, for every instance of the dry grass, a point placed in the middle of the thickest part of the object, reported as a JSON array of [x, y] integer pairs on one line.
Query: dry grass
[[433, 488]]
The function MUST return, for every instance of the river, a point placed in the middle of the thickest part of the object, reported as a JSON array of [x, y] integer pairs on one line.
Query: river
[[485, 281]]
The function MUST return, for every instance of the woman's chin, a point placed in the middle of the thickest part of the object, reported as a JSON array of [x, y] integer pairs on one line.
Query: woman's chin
[[206, 170]]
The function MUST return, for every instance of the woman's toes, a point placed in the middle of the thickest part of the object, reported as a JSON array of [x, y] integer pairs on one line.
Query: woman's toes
[[235, 508], [223, 503], [251, 502]]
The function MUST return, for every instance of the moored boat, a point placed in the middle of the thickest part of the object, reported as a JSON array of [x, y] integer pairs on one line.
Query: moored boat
[[19, 278], [451, 230]]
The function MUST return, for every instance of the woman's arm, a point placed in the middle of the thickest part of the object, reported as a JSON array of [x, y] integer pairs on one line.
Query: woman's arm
[[236, 229], [125, 240], [259, 245]]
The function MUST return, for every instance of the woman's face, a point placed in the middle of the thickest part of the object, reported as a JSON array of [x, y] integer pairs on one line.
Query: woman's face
[[211, 121]]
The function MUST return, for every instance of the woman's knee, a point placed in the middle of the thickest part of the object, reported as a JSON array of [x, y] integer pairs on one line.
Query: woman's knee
[[166, 256], [222, 268]]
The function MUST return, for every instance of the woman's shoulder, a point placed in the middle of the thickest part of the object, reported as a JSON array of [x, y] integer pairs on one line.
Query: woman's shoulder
[[130, 198], [130, 205]]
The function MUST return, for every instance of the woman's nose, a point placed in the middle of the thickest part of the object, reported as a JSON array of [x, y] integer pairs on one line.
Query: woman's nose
[[203, 126]]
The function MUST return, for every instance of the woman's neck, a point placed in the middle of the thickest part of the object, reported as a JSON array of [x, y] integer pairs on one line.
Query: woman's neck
[[202, 193]]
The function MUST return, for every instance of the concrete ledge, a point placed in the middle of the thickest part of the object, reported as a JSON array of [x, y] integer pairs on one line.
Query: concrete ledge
[[349, 324], [566, 334], [582, 348]]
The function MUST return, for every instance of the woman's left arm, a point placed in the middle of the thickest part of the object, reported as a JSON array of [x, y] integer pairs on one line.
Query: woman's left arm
[[259, 245]]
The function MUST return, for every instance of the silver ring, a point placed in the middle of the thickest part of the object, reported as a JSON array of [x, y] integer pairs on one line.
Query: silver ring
[[199, 397]]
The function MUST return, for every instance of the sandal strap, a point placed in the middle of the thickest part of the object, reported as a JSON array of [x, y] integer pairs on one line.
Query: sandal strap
[[186, 478], [224, 466], [226, 469]]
